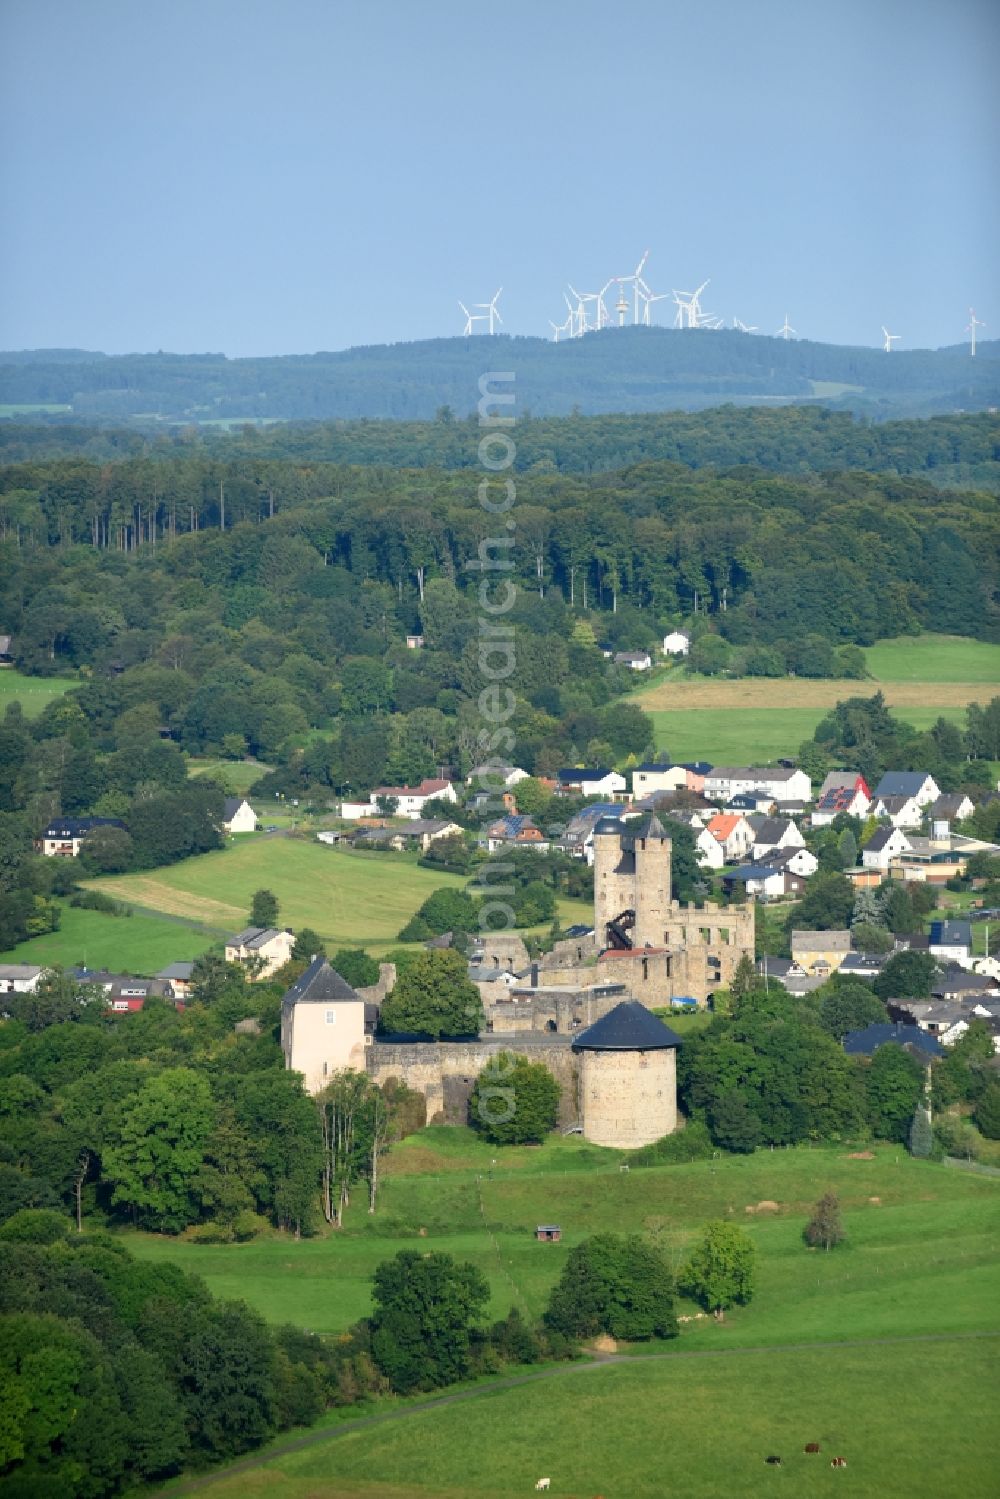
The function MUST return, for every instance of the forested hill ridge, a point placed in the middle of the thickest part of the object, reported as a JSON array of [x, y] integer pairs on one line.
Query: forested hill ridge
[[621, 369], [950, 451]]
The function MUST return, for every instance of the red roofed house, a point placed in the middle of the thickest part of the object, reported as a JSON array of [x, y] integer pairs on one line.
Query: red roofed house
[[411, 800], [842, 791], [733, 832]]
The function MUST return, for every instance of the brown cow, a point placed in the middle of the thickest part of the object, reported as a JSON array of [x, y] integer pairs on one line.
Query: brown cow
[[812, 1447]]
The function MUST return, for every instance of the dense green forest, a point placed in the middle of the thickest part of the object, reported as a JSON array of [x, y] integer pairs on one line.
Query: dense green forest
[[948, 450], [631, 369]]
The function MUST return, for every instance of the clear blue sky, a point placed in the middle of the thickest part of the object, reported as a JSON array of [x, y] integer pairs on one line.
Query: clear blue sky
[[279, 176]]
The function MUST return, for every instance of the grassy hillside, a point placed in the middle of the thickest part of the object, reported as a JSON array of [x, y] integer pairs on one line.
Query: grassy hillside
[[911, 1419], [919, 1262], [340, 894], [137, 944], [764, 718]]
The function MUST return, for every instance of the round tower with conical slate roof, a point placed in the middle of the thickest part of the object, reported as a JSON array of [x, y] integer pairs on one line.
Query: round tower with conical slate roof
[[628, 1078]]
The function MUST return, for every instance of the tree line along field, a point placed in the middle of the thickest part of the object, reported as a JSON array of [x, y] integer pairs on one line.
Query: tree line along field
[[919, 1262]]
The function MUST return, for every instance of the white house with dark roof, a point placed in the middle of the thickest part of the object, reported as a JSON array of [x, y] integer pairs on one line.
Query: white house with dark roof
[[950, 807], [884, 845], [901, 811], [775, 833], [64, 836], [586, 782], [782, 784], [238, 816], [19, 978], [265, 949], [916, 783]]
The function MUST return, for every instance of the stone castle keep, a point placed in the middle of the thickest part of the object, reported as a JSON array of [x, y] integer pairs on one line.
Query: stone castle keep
[[583, 1010]]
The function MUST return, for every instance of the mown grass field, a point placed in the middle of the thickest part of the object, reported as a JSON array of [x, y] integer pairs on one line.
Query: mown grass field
[[137, 944], [912, 1418], [750, 719], [237, 775], [344, 896], [33, 693]]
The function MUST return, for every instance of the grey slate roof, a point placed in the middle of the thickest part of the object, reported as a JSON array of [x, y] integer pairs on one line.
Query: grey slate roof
[[628, 1027], [900, 783], [951, 933], [319, 985], [254, 936], [648, 827], [180, 971], [865, 1043]]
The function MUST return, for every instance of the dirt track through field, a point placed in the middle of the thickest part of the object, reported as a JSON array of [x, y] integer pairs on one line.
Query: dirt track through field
[[761, 693], [601, 1361]]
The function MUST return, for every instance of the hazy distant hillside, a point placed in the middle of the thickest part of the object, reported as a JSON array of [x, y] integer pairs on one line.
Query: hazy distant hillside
[[624, 370]]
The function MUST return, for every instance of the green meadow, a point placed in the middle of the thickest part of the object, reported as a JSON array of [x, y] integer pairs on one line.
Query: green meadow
[[33, 693], [136, 944], [728, 736], [693, 1417], [736, 721]]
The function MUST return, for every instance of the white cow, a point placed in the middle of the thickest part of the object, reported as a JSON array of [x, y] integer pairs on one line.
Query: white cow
[[543, 1483]]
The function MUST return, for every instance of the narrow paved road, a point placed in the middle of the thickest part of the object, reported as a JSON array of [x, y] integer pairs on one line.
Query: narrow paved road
[[557, 1371]]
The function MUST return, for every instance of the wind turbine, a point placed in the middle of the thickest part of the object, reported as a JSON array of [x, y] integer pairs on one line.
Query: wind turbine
[[689, 313], [649, 297], [890, 339], [577, 315], [492, 311], [974, 323], [742, 327], [566, 327], [786, 330], [636, 278], [471, 318]]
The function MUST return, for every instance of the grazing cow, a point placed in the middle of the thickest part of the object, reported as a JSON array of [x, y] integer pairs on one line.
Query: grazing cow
[[812, 1447], [774, 1461], [838, 1462], [543, 1483]]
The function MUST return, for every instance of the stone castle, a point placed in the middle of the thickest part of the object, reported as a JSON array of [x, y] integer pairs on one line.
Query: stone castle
[[583, 1010]]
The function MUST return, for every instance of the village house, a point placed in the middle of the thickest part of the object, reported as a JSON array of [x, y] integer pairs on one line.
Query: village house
[[733, 834], [792, 860], [843, 792], [19, 978], [884, 845], [325, 1026], [419, 832], [774, 833], [599, 782], [494, 777], [263, 949], [912, 1039], [901, 811], [578, 835], [950, 807], [951, 940], [177, 977], [651, 777], [6, 650], [676, 643], [781, 784], [820, 953], [635, 660], [917, 784], [64, 836], [515, 831], [238, 816], [766, 881], [411, 800]]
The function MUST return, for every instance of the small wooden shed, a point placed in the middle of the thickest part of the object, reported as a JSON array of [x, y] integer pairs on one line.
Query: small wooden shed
[[548, 1233]]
